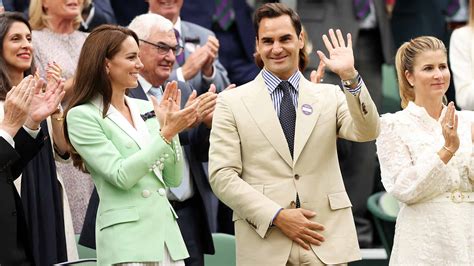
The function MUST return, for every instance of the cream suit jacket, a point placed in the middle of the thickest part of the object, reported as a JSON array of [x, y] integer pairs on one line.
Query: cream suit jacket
[[251, 169]]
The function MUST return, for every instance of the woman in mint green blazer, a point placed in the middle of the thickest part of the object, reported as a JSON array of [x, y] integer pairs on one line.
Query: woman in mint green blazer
[[131, 158]]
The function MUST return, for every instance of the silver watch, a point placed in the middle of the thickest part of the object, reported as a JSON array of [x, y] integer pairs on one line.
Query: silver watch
[[352, 81]]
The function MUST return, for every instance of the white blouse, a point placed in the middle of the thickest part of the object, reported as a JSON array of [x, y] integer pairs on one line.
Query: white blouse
[[427, 233]]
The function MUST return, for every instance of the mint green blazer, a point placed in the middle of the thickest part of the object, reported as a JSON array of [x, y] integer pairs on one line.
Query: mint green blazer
[[131, 167]]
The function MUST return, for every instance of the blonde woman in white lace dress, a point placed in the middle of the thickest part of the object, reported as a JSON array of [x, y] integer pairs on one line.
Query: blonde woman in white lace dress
[[425, 154]]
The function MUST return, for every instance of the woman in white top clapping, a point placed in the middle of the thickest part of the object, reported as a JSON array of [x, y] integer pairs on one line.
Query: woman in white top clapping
[[425, 154]]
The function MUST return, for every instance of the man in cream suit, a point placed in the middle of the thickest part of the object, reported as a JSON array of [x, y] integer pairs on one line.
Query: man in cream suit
[[273, 156]]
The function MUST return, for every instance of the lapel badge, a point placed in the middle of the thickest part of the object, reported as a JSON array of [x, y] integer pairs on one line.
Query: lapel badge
[[307, 109]]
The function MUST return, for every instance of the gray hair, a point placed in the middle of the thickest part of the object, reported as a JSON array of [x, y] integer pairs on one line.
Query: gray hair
[[144, 24]]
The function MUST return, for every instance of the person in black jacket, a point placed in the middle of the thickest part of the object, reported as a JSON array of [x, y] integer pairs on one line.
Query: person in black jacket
[[20, 139]]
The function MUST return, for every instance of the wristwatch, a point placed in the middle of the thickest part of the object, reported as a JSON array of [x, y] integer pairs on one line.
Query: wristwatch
[[352, 81]]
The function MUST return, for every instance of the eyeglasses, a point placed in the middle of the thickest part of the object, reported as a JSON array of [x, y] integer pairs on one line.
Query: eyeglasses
[[163, 48]]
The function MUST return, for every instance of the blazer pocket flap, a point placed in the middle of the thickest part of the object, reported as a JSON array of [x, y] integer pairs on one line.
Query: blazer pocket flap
[[339, 200], [117, 216]]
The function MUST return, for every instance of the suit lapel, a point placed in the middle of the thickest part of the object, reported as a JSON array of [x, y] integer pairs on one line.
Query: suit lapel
[[137, 134], [260, 107], [138, 93], [186, 33], [144, 128], [307, 114]]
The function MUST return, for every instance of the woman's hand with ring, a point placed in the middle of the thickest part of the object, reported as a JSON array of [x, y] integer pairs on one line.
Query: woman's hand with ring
[[450, 132]]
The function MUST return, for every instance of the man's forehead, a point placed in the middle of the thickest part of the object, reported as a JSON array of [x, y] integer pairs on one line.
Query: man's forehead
[[276, 27], [167, 37]]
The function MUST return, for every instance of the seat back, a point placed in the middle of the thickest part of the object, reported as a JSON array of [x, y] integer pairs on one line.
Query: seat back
[[390, 92], [384, 222], [85, 252], [224, 245], [389, 205]]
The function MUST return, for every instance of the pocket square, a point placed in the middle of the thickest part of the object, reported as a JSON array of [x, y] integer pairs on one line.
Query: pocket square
[[148, 115]]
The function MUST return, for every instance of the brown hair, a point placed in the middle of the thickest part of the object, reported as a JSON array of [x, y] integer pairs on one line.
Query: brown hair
[[91, 78], [6, 21], [405, 60], [274, 10]]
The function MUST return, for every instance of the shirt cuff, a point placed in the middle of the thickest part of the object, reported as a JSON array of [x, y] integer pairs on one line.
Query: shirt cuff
[[275, 216], [355, 91], [7, 137], [211, 78], [33, 133], [179, 74]]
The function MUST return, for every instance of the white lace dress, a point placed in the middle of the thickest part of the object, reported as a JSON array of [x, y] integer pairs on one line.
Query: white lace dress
[[427, 233]]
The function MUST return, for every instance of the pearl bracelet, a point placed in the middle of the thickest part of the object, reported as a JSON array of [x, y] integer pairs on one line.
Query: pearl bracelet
[[164, 139]]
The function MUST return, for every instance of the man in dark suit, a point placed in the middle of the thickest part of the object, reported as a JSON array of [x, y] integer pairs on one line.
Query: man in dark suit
[[237, 40], [96, 13], [373, 46], [198, 65], [14, 247], [192, 199], [20, 141]]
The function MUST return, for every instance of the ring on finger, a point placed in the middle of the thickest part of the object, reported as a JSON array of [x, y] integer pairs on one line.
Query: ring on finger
[[450, 126]]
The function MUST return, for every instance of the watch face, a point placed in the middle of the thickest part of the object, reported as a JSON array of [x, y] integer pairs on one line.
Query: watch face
[[348, 82]]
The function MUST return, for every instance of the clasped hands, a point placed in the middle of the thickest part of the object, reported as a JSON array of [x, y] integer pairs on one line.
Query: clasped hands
[[449, 127], [202, 59]]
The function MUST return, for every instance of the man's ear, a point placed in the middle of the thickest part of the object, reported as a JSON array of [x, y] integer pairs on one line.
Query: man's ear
[[301, 39]]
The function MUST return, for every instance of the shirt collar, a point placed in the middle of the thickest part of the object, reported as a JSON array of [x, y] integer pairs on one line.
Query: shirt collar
[[272, 81], [177, 26], [146, 86], [421, 113]]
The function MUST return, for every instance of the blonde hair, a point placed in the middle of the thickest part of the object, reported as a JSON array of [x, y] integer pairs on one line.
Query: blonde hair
[[40, 20], [405, 60]]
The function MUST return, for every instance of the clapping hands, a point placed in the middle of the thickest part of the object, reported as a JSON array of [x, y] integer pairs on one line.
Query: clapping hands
[[202, 59], [27, 105], [206, 106], [173, 120]]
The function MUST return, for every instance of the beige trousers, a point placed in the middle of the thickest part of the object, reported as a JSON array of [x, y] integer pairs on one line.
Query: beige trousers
[[301, 256]]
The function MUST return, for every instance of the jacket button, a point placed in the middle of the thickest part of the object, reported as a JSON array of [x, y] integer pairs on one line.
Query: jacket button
[[297, 176], [292, 204], [146, 193], [161, 191]]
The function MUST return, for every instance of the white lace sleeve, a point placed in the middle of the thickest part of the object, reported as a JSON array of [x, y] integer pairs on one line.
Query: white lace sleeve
[[409, 178]]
